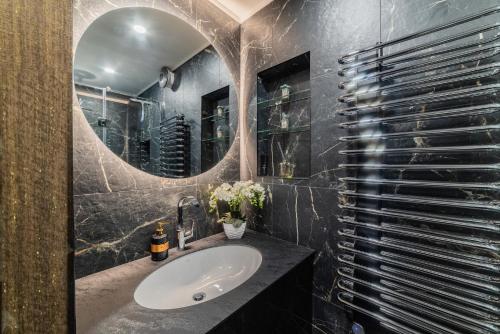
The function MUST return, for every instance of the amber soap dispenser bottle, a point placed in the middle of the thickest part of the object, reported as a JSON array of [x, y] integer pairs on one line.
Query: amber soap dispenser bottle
[[159, 244]]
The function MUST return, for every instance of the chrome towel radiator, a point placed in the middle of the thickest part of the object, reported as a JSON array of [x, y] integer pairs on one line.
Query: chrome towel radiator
[[174, 147], [419, 247]]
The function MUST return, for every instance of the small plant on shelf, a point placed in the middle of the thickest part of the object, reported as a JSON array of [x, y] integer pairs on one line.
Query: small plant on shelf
[[231, 203]]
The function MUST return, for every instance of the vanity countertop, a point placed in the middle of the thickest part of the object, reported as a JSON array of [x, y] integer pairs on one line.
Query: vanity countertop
[[105, 300]]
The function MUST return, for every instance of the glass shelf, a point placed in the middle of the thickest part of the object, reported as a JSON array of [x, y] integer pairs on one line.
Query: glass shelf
[[293, 178], [284, 153], [279, 131], [215, 139], [216, 117], [292, 98]]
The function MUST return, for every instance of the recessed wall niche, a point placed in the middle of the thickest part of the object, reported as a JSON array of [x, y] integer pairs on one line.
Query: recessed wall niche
[[214, 127], [284, 119]]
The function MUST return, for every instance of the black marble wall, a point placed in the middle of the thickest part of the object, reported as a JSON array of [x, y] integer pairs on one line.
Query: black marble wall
[[116, 206], [205, 73], [305, 211]]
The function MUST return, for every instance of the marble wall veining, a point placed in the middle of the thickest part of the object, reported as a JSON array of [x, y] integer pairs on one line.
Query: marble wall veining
[[305, 211], [116, 206]]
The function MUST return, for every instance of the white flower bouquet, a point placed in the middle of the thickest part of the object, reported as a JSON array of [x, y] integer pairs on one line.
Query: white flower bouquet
[[231, 198]]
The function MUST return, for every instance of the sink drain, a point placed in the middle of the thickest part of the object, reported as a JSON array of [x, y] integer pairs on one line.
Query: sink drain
[[199, 296]]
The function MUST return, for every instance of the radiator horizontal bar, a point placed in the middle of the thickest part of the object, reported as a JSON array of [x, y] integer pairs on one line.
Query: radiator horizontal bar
[[462, 222], [491, 205], [378, 151], [422, 166], [437, 59], [424, 268], [170, 146], [376, 135], [449, 289], [178, 116], [425, 301], [401, 314], [445, 285], [470, 302], [384, 321], [354, 67], [165, 157], [462, 258], [452, 94], [488, 317], [423, 116], [491, 279], [423, 183], [172, 170], [173, 136], [442, 313], [431, 81], [432, 314], [466, 241], [174, 164], [350, 57], [172, 152]]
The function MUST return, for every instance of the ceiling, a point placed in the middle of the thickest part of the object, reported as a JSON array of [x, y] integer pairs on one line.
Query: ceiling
[[113, 43], [240, 10]]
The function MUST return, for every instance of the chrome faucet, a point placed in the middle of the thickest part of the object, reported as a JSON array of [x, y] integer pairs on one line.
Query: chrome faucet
[[182, 235]]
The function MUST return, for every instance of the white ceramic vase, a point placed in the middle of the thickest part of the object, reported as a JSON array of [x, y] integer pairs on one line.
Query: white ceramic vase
[[234, 232]]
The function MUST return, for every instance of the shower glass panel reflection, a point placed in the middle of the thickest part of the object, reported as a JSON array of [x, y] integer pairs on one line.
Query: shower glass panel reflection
[[127, 125]]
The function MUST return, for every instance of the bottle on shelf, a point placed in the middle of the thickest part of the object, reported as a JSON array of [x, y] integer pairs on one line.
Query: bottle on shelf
[[220, 111], [285, 92], [287, 168], [220, 132], [284, 121]]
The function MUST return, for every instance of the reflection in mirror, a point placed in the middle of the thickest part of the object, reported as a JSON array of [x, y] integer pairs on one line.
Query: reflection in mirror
[[155, 92]]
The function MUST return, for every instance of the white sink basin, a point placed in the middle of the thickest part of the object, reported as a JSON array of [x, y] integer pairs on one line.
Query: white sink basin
[[202, 275]]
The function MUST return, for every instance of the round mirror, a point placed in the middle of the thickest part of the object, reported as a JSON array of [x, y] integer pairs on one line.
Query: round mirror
[[155, 92]]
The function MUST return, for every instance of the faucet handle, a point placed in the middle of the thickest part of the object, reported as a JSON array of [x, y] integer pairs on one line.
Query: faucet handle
[[189, 234]]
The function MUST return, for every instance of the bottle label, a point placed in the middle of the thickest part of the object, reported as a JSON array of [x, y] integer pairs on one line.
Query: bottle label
[[159, 248]]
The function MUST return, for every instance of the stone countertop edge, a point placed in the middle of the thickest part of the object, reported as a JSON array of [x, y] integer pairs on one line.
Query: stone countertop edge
[[105, 300]]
